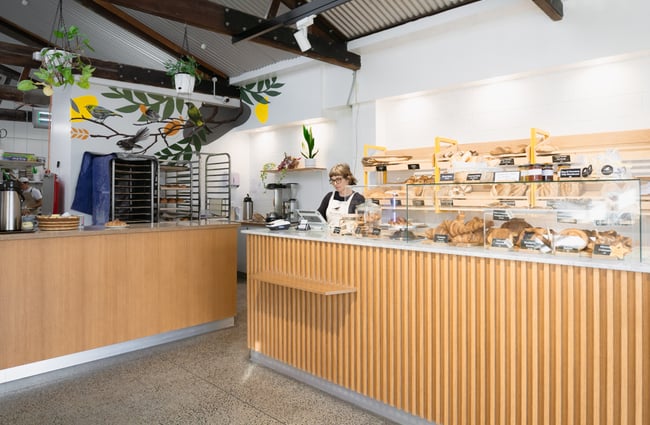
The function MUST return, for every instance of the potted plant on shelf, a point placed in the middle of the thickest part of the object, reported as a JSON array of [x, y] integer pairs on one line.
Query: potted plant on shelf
[[309, 144], [184, 72], [60, 66]]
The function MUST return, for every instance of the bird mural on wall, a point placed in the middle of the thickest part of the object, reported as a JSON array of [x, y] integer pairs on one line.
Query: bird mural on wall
[[152, 116], [173, 127], [128, 143], [100, 113], [195, 116]]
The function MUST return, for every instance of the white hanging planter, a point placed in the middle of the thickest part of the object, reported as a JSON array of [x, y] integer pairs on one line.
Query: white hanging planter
[[55, 57], [310, 162], [184, 83]]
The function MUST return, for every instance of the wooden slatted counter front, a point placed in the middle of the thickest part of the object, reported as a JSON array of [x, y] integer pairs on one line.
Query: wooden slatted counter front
[[458, 336]]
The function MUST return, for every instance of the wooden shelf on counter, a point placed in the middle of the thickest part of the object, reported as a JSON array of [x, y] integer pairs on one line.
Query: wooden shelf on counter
[[302, 284]]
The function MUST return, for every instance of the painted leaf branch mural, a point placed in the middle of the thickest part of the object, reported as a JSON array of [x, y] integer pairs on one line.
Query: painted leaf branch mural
[[259, 93], [171, 128], [159, 118]]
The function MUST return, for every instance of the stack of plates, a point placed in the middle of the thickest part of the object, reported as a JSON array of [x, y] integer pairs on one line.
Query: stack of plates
[[58, 223]]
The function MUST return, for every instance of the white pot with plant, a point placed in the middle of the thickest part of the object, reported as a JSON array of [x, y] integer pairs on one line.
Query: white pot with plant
[[62, 67], [308, 145], [184, 72]]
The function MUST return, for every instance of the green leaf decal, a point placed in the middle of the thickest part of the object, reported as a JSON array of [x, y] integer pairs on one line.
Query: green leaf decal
[[142, 97], [244, 97], [112, 95], [169, 108], [128, 108], [180, 104]]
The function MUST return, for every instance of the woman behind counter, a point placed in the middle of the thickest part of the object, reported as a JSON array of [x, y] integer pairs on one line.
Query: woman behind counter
[[343, 200]]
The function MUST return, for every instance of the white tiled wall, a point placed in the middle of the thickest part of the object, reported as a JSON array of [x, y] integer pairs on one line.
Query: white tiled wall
[[23, 137]]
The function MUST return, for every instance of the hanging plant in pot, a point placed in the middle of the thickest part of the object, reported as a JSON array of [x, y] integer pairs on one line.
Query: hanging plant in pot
[[309, 145], [62, 67], [184, 72]]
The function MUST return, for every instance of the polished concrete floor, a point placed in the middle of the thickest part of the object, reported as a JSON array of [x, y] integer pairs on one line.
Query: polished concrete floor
[[206, 379]]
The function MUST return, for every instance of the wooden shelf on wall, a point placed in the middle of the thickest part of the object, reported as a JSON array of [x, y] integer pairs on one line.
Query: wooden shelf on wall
[[294, 170]]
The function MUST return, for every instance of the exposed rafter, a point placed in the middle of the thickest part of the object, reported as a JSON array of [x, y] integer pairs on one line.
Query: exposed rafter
[[294, 15], [223, 20], [124, 20], [553, 8]]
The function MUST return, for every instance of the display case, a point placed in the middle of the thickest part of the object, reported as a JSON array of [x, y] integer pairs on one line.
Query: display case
[[597, 218]]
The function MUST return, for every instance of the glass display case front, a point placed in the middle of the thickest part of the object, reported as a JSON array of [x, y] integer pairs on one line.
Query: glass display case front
[[596, 218]]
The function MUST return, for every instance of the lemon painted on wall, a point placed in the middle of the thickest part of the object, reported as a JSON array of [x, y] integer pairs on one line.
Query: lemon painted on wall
[[262, 111]]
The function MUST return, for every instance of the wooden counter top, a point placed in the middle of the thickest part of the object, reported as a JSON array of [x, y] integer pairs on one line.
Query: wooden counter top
[[628, 264], [106, 231]]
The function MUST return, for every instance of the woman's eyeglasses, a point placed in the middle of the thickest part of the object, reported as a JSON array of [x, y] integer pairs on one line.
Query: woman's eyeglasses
[[336, 180]]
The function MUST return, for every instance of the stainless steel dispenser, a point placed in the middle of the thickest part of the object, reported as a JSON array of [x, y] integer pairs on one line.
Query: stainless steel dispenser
[[11, 201]]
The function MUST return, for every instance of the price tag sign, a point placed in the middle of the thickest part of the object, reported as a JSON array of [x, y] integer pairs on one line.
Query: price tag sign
[[474, 177], [336, 230], [506, 161], [570, 173], [376, 231], [441, 238], [501, 215], [447, 177], [561, 159], [601, 249], [501, 243]]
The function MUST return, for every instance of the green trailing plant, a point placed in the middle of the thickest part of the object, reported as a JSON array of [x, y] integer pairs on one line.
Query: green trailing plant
[[264, 174], [184, 65], [59, 67], [309, 143]]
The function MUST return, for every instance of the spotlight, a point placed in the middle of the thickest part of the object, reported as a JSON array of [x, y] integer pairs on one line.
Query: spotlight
[[301, 34]]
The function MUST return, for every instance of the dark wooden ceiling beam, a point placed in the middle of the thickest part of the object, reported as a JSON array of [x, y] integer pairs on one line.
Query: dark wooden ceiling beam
[[15, 54], [553, 8], [294, 15], [223, 20], [34, 97], [126, 21], [273, 9], [321, 26]]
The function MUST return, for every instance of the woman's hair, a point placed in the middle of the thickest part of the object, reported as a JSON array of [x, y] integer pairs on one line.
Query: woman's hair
[[343, 170]]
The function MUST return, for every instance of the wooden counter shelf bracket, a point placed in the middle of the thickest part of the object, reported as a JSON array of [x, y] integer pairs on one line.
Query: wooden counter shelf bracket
[[302, 284]]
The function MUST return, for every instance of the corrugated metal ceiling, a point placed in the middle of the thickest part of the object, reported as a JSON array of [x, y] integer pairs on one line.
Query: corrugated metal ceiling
[[354, 19]]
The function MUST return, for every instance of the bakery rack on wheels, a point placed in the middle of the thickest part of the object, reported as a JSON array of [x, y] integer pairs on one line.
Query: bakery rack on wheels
[[134, 189], [178, 191], [215, 185]]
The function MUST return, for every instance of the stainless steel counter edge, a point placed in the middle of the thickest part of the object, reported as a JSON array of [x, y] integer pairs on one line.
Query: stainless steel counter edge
[[106, 231], [569, 260]]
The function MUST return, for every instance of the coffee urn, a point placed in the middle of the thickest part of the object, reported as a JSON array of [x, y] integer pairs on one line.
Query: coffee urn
[[11, 201], [248, 208]]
